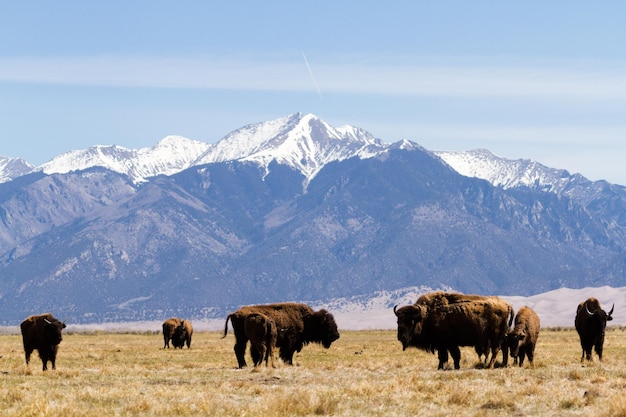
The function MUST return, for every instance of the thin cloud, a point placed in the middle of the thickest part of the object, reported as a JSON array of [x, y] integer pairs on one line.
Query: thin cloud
[[351, 78]]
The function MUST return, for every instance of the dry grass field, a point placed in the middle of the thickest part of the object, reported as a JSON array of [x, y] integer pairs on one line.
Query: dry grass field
[[364, 373]]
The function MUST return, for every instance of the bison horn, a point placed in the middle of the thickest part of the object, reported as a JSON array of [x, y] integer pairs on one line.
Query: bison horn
[[47, 321], [611, 312], [589, 313], [394, 310]]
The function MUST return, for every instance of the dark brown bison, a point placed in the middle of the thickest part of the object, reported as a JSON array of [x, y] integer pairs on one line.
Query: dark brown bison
[[262, 333], [169, 326], [297, 325], [182, 334], [443, 322], [42, 332], [591, 324], [522, 339]]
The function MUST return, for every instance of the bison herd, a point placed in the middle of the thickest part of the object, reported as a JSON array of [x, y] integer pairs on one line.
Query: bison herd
[[439, 322]]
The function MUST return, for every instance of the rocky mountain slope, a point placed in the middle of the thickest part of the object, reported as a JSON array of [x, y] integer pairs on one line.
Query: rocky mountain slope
[[291, 209]]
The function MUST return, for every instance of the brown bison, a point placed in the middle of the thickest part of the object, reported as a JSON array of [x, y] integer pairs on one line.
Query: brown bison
[[262, 333], [297, 325], [522, 339], [591, 324], [182, 334], [42, 332], [443, 322], [169, 326]]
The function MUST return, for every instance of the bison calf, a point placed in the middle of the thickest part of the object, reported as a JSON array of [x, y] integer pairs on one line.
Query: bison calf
[[522, 339], [42, 332], [262, 333]]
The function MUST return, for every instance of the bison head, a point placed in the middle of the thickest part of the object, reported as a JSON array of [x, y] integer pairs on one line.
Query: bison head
[[320, 327], [408, 319], [512, 341], [53, 330], [599, 316], [180, 335]]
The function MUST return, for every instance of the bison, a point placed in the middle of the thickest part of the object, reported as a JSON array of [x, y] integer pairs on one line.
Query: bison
[[297, 325], [590, 324], [182, 334], [443, 322], [262, 333], [522, 339], [42, 332], [169, 326]]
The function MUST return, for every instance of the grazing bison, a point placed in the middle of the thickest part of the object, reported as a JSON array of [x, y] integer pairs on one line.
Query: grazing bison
[[522, 339], [262, 333], [297, 325], [443, 322], [182, 334], [169, 327], [42, 332], [591, 324]]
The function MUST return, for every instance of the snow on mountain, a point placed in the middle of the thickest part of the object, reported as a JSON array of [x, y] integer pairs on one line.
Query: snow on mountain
[[11, 168], [303, 142], [169, 156], [505, 173]]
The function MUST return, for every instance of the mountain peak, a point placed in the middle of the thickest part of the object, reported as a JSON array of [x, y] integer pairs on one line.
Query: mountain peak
[[11, 168], [302, 141]]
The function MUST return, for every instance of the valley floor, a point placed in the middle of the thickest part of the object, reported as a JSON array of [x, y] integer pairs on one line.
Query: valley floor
[[364, 373]]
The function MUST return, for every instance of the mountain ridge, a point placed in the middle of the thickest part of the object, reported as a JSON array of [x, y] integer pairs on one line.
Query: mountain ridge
[[95, 244]]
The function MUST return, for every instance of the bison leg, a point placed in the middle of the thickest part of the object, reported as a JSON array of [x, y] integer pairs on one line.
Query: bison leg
[[257, 352], [455, 352], [598, 348], [53, 356], [286, 354], [530, 352], [45, 357], [189, 342], [166, 342], [240, 351], [28, 351], [494, 353], [442, 354]]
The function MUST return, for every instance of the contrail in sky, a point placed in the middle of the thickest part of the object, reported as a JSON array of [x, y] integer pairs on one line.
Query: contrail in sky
[[308, 67]]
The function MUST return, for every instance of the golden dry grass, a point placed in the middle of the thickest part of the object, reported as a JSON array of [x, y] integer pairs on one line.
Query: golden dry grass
[[364, 373]]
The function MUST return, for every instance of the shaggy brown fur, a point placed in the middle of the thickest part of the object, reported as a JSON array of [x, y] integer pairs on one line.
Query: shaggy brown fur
[[182, 334], [443, 322], [169, 326], [297, 325], [262, 333], [521, 341], [590, 324], [42, 332]]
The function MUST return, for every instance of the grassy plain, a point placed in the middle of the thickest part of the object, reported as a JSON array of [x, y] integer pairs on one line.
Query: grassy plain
[[364, 373]]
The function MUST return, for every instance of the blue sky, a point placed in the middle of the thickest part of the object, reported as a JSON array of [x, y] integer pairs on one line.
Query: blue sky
[[535, 79]]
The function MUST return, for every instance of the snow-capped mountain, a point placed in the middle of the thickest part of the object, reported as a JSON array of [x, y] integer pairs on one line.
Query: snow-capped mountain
[[171, 155], [506, 173], [207, 230], [303, 142], [11, 168]]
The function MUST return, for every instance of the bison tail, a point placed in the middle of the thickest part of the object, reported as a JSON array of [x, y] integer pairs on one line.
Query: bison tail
[[511, 314], [226, 325]]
